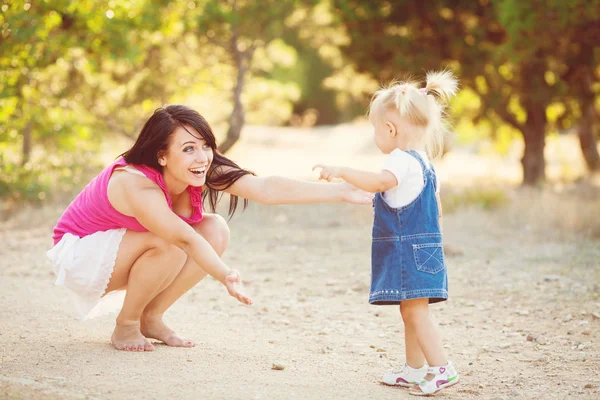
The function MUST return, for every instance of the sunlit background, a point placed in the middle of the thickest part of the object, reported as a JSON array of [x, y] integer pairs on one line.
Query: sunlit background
[[287, 83]]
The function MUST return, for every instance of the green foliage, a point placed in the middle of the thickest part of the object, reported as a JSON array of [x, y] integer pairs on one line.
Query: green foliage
[[34, 183], [519, 57]]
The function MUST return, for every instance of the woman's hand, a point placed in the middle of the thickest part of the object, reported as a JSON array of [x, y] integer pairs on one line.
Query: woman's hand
[[354, 195], [233, 283]]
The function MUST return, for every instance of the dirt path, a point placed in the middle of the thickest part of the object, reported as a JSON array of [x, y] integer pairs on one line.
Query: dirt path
[[522, 321]]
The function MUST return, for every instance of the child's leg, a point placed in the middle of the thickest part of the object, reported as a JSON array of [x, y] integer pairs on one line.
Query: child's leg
[[414, 355], [422, 331]]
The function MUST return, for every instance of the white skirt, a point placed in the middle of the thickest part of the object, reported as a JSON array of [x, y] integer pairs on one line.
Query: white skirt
[[85, 265]]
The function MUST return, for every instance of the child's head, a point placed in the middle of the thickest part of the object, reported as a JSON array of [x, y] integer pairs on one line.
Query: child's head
[[406, 116]]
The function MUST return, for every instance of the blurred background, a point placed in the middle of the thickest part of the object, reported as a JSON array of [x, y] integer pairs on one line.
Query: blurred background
[[287, 83]]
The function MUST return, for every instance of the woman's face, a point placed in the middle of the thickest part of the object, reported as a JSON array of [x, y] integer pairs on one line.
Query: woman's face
[[187, 158]]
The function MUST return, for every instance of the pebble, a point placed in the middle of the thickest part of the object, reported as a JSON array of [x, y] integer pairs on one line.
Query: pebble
[[596, 315], [589, 386], [587, 332], [278, 366], [541, 340], [552, 278], [532, 337]]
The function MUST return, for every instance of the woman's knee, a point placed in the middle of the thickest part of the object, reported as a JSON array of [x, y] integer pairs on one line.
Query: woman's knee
[[164, 250], [215, 230]]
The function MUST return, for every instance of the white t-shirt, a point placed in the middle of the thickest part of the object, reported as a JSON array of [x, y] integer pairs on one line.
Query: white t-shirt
[[409, 174]]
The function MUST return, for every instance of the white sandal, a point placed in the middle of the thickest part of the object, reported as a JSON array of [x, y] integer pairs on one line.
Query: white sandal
[[443, 377], [406, 377]]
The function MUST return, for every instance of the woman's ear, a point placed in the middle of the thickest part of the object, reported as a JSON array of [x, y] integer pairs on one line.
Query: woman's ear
[[161, 159], [391, 129]]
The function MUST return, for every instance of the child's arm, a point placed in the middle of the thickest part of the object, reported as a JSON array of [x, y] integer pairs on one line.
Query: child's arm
[[369, 181]]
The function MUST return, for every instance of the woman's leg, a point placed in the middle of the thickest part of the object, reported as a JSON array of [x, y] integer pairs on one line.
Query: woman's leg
[[216, 232], [422, 330], [144, 264]]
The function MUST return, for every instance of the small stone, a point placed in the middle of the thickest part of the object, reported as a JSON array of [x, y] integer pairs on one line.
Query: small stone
[[532, 337], [277, 366], [587, 332], [541, 340], [505, 345], [469, 325], [188, 360], [523, 312], [581, 347], [552, 278], [567, 318], [589, 386], [272, 341], [596, 315], [372, 346], [380, 350]]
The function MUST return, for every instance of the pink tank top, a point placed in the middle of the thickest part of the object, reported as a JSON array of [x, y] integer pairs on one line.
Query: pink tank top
[[91, 212]]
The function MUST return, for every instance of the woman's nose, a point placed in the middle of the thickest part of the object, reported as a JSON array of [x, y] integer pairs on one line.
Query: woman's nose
[[201, 157]]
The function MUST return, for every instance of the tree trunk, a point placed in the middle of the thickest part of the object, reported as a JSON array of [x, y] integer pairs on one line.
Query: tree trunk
[[27, 143], [587, 141], [534, 99], [534, 134], [237, 117]]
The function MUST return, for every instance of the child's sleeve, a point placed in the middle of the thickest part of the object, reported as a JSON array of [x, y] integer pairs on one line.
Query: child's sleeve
[[397, 163]]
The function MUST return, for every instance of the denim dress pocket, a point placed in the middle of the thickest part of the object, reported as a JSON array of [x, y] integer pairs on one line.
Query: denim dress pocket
[[429, 257]]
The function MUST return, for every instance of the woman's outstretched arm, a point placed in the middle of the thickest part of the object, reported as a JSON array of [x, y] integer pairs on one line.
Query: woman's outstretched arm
[[281, 190]]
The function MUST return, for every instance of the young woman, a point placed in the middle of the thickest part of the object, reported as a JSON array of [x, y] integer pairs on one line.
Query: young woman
[[139, 225]]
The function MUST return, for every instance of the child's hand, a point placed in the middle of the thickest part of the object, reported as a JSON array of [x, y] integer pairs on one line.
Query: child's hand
[[328, 172]]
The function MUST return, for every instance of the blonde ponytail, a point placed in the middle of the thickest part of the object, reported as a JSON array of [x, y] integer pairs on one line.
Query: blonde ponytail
[[422, 107], [441, 85]]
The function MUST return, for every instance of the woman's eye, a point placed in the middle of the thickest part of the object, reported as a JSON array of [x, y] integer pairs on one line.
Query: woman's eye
[[188, 149], [206, 147]]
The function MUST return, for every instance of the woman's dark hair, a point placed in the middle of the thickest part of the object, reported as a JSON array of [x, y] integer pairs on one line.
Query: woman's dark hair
[[154, 139]]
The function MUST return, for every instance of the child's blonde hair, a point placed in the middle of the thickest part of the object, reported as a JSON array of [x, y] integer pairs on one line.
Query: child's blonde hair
[[422, 107]]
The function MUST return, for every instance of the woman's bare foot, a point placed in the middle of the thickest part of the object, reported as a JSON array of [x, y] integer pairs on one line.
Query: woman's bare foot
[[153, 327], [127, 337], [234, 286]]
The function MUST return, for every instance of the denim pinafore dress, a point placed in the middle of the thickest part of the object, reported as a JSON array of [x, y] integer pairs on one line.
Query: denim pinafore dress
[[407, 257]]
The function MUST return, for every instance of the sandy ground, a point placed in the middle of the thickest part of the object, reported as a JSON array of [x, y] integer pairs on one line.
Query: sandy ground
[[522, 322]]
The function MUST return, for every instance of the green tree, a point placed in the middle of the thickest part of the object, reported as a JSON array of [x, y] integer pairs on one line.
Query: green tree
[[241, 28], [504, 50]]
